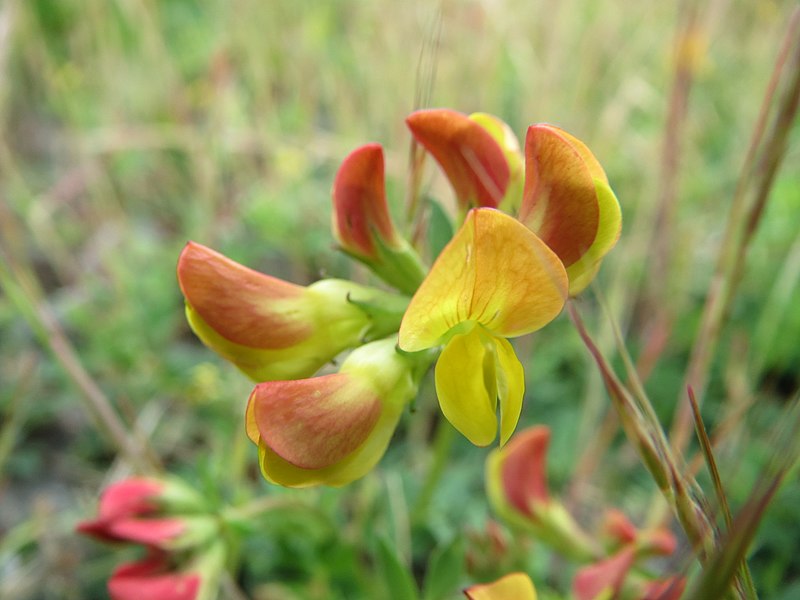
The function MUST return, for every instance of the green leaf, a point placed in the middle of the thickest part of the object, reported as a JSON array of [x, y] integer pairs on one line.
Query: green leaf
[[394, 573], [440, 229], [445, 570]]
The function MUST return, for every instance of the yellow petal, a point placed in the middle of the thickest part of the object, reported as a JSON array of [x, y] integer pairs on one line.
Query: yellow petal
[[463, 373], [510, 387], [583, 271], [495, 272], [514, 586]]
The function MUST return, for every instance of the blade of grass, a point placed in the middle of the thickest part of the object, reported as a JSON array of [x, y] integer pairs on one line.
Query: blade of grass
[[745, 576], [763, 160]]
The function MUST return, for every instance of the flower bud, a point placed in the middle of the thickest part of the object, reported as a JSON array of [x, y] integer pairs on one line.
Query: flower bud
[[603, 580], [150, 512], [334, 428], [363, 226], [157, 576], [272, 329], [568, 203]]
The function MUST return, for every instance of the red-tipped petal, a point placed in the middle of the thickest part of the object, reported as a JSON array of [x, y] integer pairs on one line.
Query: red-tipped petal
[[359, 202], [150, 578], [314, 423], [524, 469], [559, 201], [471, 158], [241, 305], [595, 581]]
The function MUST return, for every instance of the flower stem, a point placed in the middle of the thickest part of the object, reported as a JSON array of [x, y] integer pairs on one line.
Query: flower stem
[[442, 444]]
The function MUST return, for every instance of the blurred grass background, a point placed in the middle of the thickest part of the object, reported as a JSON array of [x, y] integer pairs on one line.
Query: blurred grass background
[[131, 126]]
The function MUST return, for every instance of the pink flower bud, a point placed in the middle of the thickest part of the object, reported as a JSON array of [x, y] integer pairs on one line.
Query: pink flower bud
[[151, 577], [603, 579], [130, 512]]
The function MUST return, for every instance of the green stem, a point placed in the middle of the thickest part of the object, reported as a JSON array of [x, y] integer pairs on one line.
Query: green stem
[[442, 444]]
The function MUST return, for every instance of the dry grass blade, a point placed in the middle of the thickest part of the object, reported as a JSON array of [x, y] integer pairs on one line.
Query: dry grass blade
[[746, 579], [426, 78], [761, 165]]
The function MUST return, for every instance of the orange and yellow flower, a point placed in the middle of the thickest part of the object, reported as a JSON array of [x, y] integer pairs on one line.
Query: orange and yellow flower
[[272, 329], [494, 280], [566, 198], [568, 203], [363, 226], [334, 428]]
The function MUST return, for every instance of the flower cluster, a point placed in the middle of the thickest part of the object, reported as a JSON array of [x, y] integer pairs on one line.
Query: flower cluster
[[184, 556], [531, 231], [516, 479]]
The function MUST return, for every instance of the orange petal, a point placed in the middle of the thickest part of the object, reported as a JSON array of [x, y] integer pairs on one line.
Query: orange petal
[[241, 305], [618, 527], [314, 423], [603, 579], [523, 469], [471, 158], [359, 203], [559, 201], [514, 586], [494, 272]]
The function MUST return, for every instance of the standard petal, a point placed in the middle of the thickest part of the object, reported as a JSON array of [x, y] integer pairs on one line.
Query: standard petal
[[471, 158], [510, 387], [559, 201], [314, 423], [495, 272], [461, 386], [243, 306], [514, 586], [360, 212]]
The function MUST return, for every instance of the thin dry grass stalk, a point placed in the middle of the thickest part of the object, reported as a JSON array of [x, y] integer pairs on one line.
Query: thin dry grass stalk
[[752, 193]]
